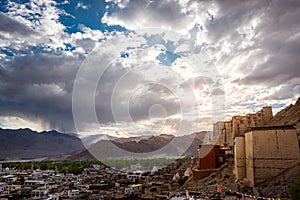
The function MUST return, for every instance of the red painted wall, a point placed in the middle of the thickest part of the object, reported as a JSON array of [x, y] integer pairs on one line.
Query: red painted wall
[[208, 155]]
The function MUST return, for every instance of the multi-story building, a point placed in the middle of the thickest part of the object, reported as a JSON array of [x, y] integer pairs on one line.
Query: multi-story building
[[259, 119], [225, 132], [40, 193], [218, 137], [13, 187]]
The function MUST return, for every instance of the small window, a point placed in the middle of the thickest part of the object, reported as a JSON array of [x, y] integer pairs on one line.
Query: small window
[[220, 159]]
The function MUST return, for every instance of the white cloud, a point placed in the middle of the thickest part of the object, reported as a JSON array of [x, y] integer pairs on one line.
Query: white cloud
[[138, 14], [14, 122], [40, 21], [82, 6]]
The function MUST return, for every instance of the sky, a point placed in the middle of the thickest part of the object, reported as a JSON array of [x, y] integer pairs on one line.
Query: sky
[[140, 67]]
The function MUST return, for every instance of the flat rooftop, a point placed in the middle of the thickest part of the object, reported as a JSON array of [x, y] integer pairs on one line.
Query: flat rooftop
[[270, 128]]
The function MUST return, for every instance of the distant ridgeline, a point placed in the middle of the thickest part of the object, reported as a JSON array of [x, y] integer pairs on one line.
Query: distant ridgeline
[[28, 144]]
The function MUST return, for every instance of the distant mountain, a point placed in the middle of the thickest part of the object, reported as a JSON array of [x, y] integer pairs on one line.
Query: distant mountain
[[91, 139], [199, 138], [28, 144], [162, 145], [132, 139], [288, 116], [74, 156], [143, 144]]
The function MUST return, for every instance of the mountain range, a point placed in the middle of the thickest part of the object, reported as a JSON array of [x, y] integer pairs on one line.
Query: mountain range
[[28, 144], [152, 146]]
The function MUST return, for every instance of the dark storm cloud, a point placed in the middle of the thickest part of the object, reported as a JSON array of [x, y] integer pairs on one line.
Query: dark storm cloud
[[12, 26], [276, 38], [280, 39], [287, 91], [39, 87], [233, 14]]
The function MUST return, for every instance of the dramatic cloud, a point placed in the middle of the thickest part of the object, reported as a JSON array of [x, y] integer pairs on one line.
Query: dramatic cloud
[[246, 51], [11, 26], [39, 87], [260, 40]]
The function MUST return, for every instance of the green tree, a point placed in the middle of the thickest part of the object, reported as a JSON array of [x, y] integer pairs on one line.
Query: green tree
[[85, 195], [295, 189]]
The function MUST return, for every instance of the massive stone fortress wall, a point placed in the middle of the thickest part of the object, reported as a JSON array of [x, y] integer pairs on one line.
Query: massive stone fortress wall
[[225, 132], [265, 152]]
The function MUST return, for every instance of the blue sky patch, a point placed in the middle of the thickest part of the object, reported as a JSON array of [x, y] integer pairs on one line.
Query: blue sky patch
[[124, 55], [91, 17], [69, 47], [167, 58], [7, 52], [277, 105]]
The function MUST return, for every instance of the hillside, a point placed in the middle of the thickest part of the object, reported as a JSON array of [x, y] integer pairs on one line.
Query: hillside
[[28, 144], [288, 116], [80, 155]]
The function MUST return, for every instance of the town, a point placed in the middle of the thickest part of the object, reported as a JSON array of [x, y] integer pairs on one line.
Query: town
[[94, 182]]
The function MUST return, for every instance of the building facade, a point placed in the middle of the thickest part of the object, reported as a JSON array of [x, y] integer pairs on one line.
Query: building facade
[[265, 152], [225, 132], [218, 137]]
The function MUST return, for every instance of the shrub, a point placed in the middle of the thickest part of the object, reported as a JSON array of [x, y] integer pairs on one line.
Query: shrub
[[295, 189]]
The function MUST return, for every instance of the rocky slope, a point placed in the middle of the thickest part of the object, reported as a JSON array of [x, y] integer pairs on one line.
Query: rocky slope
[[288, 116], [276, 187]]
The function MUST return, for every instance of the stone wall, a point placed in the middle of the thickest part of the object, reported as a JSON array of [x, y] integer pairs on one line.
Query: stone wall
[[200, 174], [229, 138], [218, 137], [269, 151], [239, 158], [267, 115]]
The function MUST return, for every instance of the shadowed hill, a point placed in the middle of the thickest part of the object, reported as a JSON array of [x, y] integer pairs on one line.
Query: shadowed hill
[[28, 144], [288, 116]]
